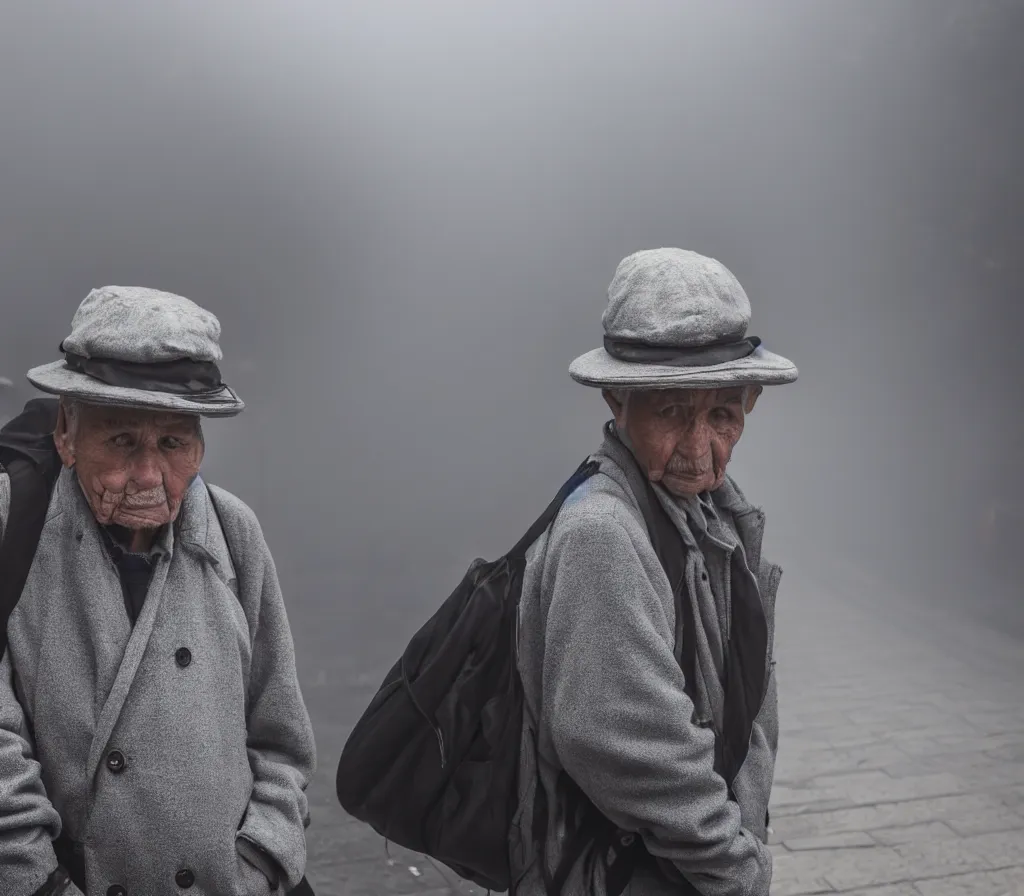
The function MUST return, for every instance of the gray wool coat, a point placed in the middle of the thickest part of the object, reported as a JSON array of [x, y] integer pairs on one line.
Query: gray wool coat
[[604, 698], [217, 752]]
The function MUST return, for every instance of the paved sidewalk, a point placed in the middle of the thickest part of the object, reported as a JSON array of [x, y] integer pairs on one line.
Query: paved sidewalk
[[901, 765]]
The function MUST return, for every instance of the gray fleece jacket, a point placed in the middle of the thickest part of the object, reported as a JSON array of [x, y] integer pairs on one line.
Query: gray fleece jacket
[[155, 761], [604, 697]]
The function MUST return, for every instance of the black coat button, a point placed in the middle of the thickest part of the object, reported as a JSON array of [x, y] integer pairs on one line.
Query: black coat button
[[183, 656], [116, 761], [116, 890], [184, 878]]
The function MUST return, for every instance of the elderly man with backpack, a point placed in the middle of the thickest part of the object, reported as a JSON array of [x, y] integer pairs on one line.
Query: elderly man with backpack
[[647, 668], [595, 713], [153, 737]]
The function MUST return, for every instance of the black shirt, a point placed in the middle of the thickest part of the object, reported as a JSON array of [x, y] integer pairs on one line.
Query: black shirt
[[135, 570]]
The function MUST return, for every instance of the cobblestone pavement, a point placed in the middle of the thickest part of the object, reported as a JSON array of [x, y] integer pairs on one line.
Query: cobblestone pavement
[[901, 766]]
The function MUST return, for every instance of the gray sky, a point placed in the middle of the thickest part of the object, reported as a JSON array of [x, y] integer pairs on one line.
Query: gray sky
[[406, 216]]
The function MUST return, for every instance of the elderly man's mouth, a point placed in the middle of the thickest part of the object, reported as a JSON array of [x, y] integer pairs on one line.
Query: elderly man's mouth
[[687, 474], [144, 500]]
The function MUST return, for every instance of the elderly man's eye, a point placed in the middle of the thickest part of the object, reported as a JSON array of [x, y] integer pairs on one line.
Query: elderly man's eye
[[171, 443], [122, 440], [671, 410], [721, 415]]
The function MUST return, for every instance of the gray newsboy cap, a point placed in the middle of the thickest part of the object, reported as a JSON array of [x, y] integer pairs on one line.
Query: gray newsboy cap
[[141, 348], [676, 319]]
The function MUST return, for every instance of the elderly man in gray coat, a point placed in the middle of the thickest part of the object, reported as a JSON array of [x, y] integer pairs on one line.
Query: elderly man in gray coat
[[153, 737], [608, 708]]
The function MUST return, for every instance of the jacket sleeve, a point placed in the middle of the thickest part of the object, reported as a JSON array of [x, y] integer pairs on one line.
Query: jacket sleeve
[[28, 821], [281, 749], [620, 719]]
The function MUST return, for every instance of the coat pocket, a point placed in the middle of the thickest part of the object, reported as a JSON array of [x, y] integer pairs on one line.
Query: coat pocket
[[251, 880]]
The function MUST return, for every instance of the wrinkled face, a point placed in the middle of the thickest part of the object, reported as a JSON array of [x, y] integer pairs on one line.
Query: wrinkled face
[[134, 466], [683, 438]]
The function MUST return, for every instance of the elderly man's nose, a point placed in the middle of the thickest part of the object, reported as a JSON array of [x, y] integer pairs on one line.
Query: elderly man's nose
[[695, 436], [146, 472]]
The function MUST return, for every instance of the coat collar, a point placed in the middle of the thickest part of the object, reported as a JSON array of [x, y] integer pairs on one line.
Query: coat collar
[[194, 530]]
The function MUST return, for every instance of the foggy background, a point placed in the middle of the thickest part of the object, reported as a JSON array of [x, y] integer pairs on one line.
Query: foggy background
[[406, 216]]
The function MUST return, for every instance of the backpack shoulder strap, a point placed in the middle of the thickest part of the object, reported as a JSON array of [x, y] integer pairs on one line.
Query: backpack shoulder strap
[[29, 458], [585, 470]]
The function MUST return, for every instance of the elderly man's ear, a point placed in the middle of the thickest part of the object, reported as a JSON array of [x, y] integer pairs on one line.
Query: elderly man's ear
[[750, 399], [62, 438], [616, 403]]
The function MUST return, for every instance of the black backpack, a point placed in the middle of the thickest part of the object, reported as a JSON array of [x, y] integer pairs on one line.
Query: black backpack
[[433, 762]]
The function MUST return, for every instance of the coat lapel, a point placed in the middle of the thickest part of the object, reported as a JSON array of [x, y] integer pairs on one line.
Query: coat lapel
[[80, 577], [192, 530], [137, 644]]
